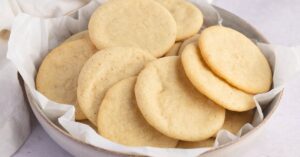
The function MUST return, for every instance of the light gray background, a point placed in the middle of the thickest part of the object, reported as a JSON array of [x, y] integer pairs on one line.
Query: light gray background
[[279, 21]]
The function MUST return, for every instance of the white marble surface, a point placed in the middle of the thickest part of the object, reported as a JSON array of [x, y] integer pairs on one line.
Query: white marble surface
[[279, 21]]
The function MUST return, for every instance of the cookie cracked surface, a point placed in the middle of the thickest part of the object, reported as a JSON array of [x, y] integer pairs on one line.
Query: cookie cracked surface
[[171, 104]]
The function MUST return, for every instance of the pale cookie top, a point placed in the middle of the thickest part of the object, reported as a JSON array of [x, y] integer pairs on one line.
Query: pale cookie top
[[211, 85], [235, 58], [59, 71], [138, 23], [80, 35], [170, 103], [120, 120], [102, 71], [188, 17]]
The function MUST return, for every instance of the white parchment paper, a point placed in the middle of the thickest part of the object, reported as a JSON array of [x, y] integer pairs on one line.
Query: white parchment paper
[[33, 37]]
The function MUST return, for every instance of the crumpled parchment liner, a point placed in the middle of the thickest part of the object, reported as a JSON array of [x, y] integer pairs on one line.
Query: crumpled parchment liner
[[32, 38]]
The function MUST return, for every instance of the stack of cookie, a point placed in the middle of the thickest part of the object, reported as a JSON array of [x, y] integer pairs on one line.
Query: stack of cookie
[[142, 76]]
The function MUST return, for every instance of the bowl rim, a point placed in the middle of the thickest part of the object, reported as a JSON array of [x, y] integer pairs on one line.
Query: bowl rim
[[34, 106]]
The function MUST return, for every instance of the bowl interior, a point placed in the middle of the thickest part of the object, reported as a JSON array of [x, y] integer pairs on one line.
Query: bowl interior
[[230, 20]]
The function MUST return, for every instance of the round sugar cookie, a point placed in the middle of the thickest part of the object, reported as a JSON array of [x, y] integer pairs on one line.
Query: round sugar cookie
[[120, 120], [188, 41], [170, 103], [188, 17], [173, 50], [198, 144], [59, 71], [212, 86], [234, 121], [144, 24], [80, 35], [236, 59], [102, 71]]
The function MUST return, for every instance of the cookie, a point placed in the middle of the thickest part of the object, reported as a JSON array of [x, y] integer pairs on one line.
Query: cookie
[[80, 35], [144, 24], [188, 17], [234, 121], [188, 41], [171, 104], [102, 71], [59, 71], [173, 50], [120, 120], [236, 59], [211, 85], [79, 115], [198, 144]]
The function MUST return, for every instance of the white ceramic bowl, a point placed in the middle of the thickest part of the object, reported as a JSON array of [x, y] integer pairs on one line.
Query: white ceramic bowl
[[78, 148]]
